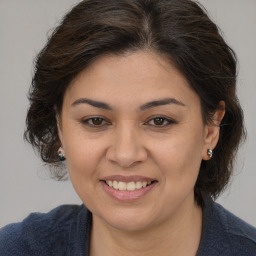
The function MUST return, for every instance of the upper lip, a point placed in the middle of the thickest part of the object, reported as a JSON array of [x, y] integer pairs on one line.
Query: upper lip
[[131, 178]]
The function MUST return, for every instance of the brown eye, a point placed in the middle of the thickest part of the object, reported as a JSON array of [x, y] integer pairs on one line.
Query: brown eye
[[95, 122], [160, 121]]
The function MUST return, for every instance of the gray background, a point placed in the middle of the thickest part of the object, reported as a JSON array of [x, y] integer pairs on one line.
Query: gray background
[[24, 182]]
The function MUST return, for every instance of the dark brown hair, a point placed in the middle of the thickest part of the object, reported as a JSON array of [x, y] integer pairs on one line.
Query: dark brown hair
[[180, 30]]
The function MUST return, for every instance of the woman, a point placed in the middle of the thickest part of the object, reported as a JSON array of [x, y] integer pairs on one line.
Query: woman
[[138, 97]]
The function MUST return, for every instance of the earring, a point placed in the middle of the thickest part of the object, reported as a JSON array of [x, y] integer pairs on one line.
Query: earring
[[209, 152], [61, 155]]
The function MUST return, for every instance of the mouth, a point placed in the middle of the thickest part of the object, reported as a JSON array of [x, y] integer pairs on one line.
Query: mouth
[[127, 189], [128, 186]]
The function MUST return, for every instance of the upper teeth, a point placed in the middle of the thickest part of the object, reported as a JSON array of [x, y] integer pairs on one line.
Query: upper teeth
[[128, 186]]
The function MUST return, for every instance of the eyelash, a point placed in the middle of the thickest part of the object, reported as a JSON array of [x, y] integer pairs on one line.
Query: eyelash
[[86, 121], [166, 121]]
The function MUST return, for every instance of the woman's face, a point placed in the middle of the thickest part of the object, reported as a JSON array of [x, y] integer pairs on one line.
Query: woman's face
[[133, 136]]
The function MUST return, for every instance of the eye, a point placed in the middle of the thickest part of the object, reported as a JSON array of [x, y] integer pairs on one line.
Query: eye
[[95, 121], [160, 121]]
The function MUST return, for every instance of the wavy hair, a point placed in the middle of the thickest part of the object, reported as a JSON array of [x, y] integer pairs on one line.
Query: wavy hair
[[180, 30]]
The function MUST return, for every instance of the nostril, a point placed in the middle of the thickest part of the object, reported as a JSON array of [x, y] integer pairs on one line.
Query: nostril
[[126, 156]]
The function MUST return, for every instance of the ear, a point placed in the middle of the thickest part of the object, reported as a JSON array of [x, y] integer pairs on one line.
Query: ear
[[59, 127], [212, 131]]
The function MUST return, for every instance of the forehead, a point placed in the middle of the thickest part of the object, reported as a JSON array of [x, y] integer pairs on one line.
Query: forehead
[[137, 76]]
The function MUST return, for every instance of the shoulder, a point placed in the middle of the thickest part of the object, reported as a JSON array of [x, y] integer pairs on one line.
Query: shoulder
[[225, 234], [39, 233], [242, 236]]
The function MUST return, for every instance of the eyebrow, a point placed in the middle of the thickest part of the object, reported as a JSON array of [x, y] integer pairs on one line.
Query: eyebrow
[[148, 105], [94, 103], [161, 102]]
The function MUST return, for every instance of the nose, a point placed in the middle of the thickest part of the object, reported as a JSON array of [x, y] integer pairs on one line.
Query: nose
[[126, 147]]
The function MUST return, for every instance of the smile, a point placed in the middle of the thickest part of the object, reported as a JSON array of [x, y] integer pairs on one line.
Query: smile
[[127, 189], [127, 186]]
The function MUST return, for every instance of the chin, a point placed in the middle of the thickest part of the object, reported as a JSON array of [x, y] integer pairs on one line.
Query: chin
[[129, 220]]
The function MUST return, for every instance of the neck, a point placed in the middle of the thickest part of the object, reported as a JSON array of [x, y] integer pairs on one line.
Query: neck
[[179, 236]]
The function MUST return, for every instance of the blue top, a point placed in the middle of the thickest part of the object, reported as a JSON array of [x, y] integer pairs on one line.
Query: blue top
[[66, 231]]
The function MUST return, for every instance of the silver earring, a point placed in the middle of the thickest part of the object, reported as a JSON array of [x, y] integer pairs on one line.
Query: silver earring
[[61, 155], [209, 152]]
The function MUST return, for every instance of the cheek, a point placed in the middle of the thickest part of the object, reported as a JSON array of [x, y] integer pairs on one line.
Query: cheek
[[178, 160], [82, 162], [180, 154], [83, 156]]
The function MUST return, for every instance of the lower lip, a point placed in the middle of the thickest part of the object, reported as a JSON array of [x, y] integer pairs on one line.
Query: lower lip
[[127, 196]]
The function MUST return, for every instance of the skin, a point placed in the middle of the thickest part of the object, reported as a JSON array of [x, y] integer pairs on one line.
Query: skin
[[131, 141]]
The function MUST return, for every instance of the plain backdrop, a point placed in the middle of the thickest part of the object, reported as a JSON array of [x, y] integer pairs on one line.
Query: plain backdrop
[[25, 185]]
